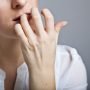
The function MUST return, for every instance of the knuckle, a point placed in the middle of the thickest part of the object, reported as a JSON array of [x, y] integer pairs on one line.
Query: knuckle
[[48, 14], [35, 16], [50, 17], [53, 37], [42, 41]]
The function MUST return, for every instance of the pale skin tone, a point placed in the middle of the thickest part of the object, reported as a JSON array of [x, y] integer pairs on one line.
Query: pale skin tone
[[28, 41]]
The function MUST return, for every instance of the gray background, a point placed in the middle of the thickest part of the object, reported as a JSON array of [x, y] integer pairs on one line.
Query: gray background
[[77, 33]]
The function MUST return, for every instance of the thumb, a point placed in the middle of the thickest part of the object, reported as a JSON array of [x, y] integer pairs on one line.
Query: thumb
[[60, 25]]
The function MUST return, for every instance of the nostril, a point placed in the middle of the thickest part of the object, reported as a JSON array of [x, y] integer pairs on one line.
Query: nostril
[[18, 6]]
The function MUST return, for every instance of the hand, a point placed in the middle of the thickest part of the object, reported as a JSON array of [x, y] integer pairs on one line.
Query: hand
[[39, 48]]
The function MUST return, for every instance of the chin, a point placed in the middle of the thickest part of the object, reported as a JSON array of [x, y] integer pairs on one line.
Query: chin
[[9, 34], [8, 31], [12, 37]]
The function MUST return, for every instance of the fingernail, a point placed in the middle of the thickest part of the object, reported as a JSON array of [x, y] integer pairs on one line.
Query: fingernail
[[65, 23], [16, 27]]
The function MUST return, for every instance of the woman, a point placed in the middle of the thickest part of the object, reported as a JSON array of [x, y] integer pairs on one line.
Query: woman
[[30, 58]]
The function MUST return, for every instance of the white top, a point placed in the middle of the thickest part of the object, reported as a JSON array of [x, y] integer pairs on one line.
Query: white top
[[70, 72]]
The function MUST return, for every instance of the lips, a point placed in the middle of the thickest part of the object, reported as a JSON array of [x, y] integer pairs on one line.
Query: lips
[[17, 19]]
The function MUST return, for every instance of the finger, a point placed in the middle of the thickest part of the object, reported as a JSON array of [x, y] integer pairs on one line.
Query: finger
[[49, 20], [38, 22], [26, 27], [60, 25], [20, 33]]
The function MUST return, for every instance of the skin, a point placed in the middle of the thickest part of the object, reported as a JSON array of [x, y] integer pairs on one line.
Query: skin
[[25, 43]]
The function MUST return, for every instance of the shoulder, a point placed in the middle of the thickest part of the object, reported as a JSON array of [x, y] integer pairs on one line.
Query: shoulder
[[70, 69]]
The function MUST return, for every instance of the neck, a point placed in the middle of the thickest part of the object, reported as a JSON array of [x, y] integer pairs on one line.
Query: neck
[[10, 51]]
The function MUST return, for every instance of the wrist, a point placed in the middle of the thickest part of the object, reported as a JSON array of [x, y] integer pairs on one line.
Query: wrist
[[43, 80]]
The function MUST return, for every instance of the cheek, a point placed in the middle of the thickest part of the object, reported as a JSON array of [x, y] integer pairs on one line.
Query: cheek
[[4, 9], [6, 26], [3, 20], [4, 17], [3, 14]]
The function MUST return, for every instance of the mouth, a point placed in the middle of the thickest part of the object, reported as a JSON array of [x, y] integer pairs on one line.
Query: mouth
[[17, 19]]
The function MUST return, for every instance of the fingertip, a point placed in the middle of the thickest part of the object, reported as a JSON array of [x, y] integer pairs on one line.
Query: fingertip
[[17, 26], [60, 25], [65, 23]]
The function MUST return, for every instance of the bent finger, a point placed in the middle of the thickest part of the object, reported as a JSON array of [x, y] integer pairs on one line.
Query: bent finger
[[27, 29], [38, 22], [49, 20], [60, 25], [20, 33]]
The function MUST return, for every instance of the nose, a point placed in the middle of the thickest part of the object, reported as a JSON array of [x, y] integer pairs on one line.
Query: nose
[[17, 4]]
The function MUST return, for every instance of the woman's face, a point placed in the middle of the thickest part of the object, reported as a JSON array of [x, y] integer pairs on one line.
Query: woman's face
[[9, 10]]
